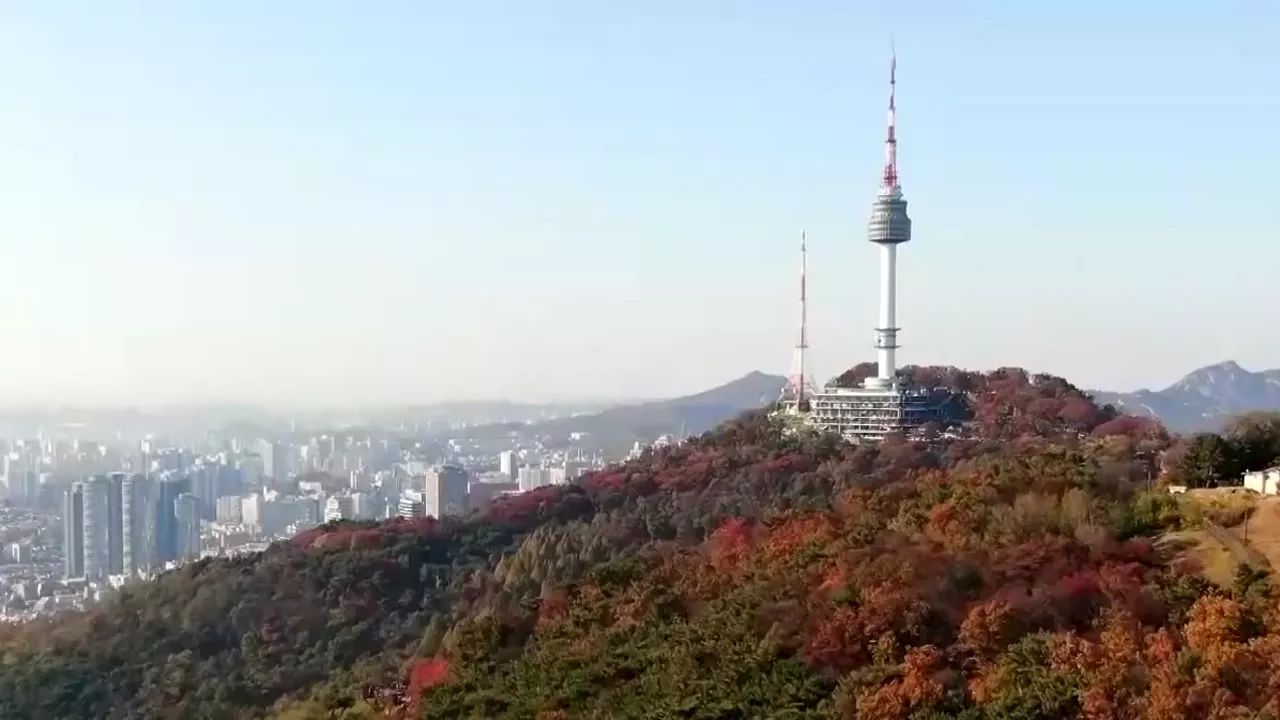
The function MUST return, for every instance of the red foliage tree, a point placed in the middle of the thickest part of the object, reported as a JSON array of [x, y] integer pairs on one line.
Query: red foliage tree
[[987, 628], [730, 544]]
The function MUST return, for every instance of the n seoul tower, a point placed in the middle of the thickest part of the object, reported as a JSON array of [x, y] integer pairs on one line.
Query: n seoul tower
[[882, 405], [889, 227]]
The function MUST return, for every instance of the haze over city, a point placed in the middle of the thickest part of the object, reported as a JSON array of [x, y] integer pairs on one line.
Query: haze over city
[[325, 202]]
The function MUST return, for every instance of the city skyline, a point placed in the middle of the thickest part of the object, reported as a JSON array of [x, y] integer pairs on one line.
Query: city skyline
[[422, 204]]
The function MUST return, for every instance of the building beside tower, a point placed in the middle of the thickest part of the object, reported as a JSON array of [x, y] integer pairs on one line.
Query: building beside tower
[[884, 404]]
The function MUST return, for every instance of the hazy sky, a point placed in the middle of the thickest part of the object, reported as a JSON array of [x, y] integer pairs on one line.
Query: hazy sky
[[344, 201]]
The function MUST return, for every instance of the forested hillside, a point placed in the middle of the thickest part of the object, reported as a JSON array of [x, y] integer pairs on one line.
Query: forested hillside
[[745, 574]]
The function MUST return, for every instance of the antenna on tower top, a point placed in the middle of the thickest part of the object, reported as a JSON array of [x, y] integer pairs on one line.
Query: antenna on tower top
[[889, 181]]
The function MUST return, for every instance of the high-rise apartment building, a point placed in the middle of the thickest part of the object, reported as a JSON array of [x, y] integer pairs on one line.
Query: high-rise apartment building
[[96, 514], [166, 523], [138, 515], [509, 465], [336, 508], [230, 481], [531, 478], [361, 507], [251, 511], [445, 492], [115, 523], [277, 460], [230, 509], [73, 531], [410, 505], [186, 511], [204, 485], [252, 468]]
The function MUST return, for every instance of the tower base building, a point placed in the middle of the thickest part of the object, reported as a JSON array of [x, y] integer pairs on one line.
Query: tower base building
[[870, 413]]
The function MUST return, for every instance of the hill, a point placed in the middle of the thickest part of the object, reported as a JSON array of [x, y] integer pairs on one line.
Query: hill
[[615, 429], [746, 573], [1205, 399]]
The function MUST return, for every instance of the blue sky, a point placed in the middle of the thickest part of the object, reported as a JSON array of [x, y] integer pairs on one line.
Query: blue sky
[[324, 202]]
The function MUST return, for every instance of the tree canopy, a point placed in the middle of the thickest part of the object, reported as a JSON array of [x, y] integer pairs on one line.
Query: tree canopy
[[749, 572]]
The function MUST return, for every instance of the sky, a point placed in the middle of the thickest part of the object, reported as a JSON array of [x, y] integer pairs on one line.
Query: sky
[[314, 202]]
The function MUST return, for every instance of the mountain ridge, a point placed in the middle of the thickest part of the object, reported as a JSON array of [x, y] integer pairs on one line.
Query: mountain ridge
[[616, 428], [1203, 399]]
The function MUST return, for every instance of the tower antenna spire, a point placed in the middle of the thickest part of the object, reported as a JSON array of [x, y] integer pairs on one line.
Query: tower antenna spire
[[889, 180]]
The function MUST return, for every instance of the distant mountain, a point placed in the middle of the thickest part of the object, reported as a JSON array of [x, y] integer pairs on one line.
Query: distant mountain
[[1204, 399], [616, 428], [483, 412]]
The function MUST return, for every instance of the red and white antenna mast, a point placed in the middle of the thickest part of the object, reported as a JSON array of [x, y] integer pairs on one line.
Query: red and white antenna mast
[[889, 180]]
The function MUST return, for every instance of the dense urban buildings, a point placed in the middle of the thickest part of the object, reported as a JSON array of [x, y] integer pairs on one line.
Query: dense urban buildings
[[102, 514]]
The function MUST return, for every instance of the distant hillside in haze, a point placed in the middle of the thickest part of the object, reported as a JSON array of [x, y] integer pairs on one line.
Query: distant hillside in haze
[[1204, 399], [615, 429]]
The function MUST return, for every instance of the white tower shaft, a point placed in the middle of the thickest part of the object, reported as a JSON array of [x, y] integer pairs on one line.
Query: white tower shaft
[[887, 333]]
